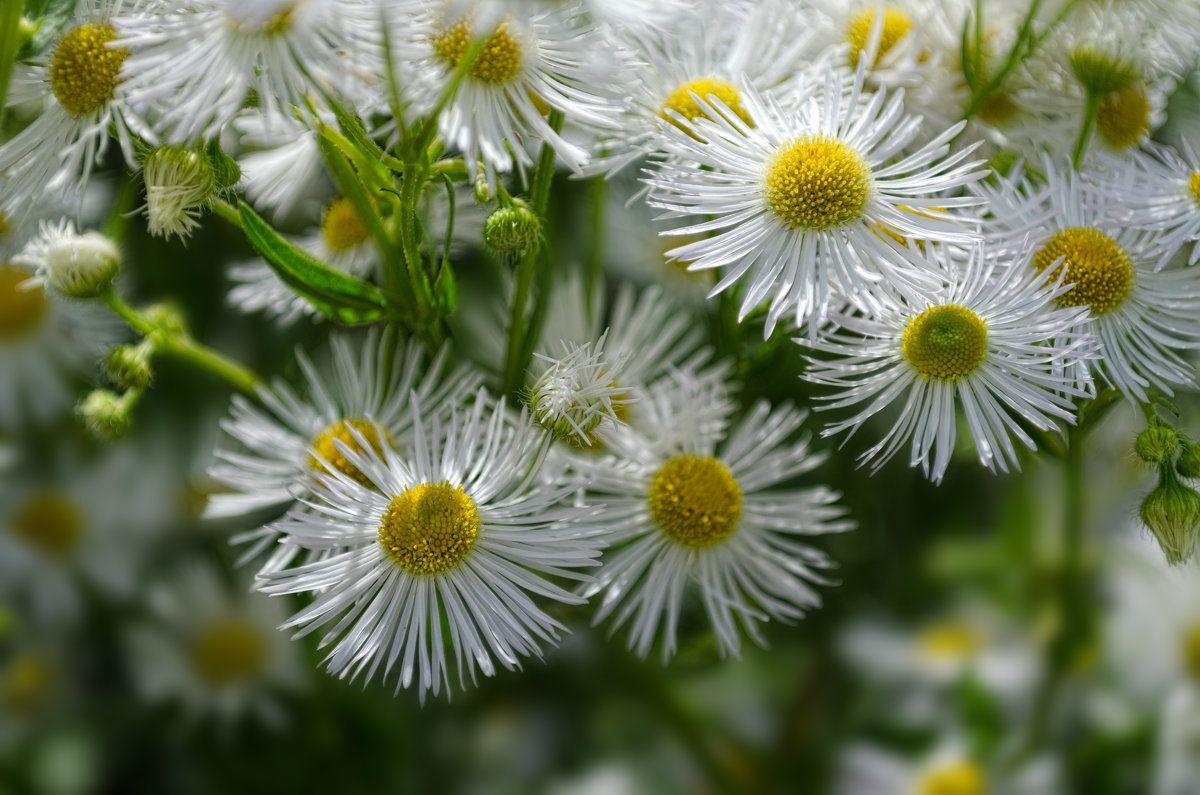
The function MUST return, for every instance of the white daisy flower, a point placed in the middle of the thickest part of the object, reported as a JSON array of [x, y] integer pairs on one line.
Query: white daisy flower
[[451, 540], [798, 199], [76, 265], [576, 391], [79, 82], [281, 162], [194, 62], [948, 768], [689, 508], [532, 60], [897, 42], [214, 649], [1141, 317], [364, 392], [989, 339]]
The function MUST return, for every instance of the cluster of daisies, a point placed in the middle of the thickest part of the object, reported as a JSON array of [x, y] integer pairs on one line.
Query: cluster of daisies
[[950, 217]]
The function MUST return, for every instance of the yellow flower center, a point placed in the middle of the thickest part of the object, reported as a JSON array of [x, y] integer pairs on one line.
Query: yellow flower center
[[817, 182], [228, 651], [341, 430], [429, 528], [1102, 272], [945, 343], [83, 74], [50, 522], [21, 311], [342, 227], [1124, 117], [1194, 185], [955, 778], [4, 228], [695, 500], [998, 109], [682, 101], [498, 62], [896, 24], [27, 683], [950, 640], [1191, 653]]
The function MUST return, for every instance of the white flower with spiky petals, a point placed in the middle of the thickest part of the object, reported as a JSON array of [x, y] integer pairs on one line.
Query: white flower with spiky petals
[[78, 81], [281, 162], [194, 63], [1141, 317], [532, 60], [576, 391], [444, 546], [799, 200], [281, 446], [689, 506], [76, 265], [990, 340]]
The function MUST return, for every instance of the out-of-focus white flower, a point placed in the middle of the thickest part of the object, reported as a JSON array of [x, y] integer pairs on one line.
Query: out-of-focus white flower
[[76, 265]]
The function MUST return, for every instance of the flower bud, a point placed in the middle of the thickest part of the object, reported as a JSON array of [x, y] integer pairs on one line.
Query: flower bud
[[129, 365], [481, 189], [576, 392], [167, 317], [80, 266], [178, 182], [1156, 445], [1102, 70], [1188, 463], [1172, 512], [106, 414], [512, 230]]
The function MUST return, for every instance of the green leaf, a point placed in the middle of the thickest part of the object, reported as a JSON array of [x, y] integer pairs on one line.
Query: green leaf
[[445, 290], [10, 40], [53, 16], [340, 297]]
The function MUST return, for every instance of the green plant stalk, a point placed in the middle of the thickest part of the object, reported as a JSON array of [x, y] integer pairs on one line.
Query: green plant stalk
[[594, 262], [1091, 110], [10, 43]]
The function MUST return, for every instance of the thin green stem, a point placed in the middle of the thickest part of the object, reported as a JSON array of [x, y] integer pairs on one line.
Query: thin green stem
[[226, 211], [594, 262], [1091, 110]]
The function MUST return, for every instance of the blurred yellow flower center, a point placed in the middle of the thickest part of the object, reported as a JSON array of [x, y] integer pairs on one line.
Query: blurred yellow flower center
[[21, 311], [955, 778], [1194, 185], [342, 227], [896, 24], [695, 500], [83, 73], [50, 522], [1124, 117], [816, 182], [998, 109], [682, 101], [324, 446], [950, 640], [1191, 653], [498, 62], [27, 683], [1100, 269], [945, 343], [430, 528], [3, 225], [228, 651]]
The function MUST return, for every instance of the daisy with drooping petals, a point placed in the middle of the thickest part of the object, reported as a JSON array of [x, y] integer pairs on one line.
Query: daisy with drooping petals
[[689, 507], [797, 199], [990, 340], [445, 546]]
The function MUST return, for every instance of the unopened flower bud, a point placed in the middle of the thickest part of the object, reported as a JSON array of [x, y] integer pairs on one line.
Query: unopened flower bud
[[1172, 512], [167, 317], [1156, 445], [1103, 70], [80, 266], [512, 230], [576, 392], [1188, 463], [106, 414], [178, 182], [129, 365], [482, 191]]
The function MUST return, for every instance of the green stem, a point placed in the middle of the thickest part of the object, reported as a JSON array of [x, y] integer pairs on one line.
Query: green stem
[[226, 211], [594, 262], [1091, 110]]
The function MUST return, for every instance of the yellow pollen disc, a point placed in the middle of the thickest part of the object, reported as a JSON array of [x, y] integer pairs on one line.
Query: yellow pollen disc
[[682, 102], [27, 683], [695, 500], [1124, 117], [945, 343], [228, 651], [949, 641], [896, 24], [50, 522], [340, 430], [955, 778], [500, 60], [21, 310], [1102, 272], [998, 109], [429, 528], [83, 74], [3, 226], [342, 227], [1194, 185], [817, 182], [1191, 653]]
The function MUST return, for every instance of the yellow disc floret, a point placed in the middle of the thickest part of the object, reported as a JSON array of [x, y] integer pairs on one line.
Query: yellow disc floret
[[429, 528], [342, 227], [1100, 269], [21, 310], [228, 651], [27, 683], [955, 778], [498, 62], [83, 73], [896, 24], [950, 640], [324, 447], [1191, 653], [998, 109], [50, 522], [1124, 117], [1194, 185], [945, 343], [695, 500], [817, 182], [683, 100]]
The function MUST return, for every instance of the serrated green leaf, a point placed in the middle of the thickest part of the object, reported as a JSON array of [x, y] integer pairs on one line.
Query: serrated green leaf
[[52, 17], [340, 297]]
